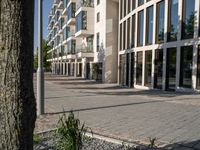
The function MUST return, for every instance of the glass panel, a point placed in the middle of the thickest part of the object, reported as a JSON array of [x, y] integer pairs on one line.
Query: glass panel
[[71, 46], [133, 4], [122, 69], [198, 69], [128, 33], [186, 67], [133, 32], [148, 66], [140, 2], [121, 36], [173, 20], [124, 36], [188, 19], [132, 69], [81, 21], [129, 6], [171, 69], [125, 7], [149, 31], [140, 28], [158, 69], [71, 11], [160, 22], [121, 8], [139, 68]]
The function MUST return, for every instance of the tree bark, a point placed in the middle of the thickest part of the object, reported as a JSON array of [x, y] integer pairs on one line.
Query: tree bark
[[17, 101]]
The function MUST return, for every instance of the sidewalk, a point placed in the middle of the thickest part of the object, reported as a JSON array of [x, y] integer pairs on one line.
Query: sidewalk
[[124, 113]]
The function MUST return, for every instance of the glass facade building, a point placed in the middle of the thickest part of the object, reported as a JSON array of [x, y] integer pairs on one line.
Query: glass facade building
[[164, 36]]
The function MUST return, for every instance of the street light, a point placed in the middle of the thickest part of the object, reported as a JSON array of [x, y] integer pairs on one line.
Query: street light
[[40, 71]]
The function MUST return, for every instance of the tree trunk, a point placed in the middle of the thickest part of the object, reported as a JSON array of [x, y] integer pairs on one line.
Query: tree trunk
[[17, 101]]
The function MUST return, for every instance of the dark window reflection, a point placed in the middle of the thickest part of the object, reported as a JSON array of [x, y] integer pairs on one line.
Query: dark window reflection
[[149, 32], [160, 22], [186, 67], [158, 68], [140, 28], [139, 68], [173, 20], [188, 19], [140, 2], [148, 66]]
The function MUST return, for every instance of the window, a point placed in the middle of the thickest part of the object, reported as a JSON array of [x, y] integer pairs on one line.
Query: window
[[121, 8], [186, 66], [173, 20], [98, 42], [133, 32], [125, 7], [140, 2], [71, 11], [81, 21], [139, 68], [188, 19], [98, 16], [148, 66], [140, 28], [158, 72], [71, 47], [129, 6], [149, 27], [128, 33], [98, 2], [160, 22], [120, 36], [133, 4], [124, 35]]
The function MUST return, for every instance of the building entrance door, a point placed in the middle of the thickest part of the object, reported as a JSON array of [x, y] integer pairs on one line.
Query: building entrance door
[[171, 69]]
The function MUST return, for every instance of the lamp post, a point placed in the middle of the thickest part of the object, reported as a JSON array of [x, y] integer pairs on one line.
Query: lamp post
[[40, 71]]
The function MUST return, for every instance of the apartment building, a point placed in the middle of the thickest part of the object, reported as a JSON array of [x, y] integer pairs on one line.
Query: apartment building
[[159, 44], [83, 35]]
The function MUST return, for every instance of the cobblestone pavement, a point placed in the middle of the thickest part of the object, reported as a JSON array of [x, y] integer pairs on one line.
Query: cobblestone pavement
[[173, 118]]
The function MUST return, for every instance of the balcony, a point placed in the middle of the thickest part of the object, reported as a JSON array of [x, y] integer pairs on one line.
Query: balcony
[[87, 3], [84, 23], [71, 14], [84, 51]]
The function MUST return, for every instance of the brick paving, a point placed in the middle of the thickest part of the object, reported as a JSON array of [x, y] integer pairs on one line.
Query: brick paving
[[173, 118]]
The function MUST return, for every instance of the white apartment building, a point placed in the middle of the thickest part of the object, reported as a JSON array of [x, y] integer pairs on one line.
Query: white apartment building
[[84, 38], [159, 44], [147, 44]]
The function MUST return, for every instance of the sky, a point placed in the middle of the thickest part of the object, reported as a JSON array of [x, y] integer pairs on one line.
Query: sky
[[47, 4]]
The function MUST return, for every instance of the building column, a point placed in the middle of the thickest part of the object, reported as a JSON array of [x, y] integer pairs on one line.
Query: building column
[[75, 68], [84, 69], [64, 68], [194, 67], [91, 70], [67, 69], [153, 68]]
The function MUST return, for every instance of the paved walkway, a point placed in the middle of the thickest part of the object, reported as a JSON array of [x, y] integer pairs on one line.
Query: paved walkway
[[125, 113]]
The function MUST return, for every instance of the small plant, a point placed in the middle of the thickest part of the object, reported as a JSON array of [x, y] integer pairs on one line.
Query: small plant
[[71, 132], [36, 139], [152, 142]]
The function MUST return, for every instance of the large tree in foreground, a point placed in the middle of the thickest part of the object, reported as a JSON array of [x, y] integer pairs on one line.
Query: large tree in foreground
[[17, 102]]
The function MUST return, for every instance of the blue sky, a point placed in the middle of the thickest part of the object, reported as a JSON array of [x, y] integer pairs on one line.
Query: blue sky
[[47, 4]]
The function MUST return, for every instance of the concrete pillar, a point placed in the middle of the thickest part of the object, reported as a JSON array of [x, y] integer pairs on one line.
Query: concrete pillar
[[67, 69], [84, 68], [91, 70], [194, 67], [153, 68], [64, 68], [75, 68]]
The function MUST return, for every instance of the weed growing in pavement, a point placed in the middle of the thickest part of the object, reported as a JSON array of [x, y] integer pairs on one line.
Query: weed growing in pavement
[[152, 142], [71, 132]]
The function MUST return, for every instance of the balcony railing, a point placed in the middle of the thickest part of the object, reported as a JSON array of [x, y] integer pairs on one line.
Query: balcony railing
[[84, 49], [71, 33], [88, 3]]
